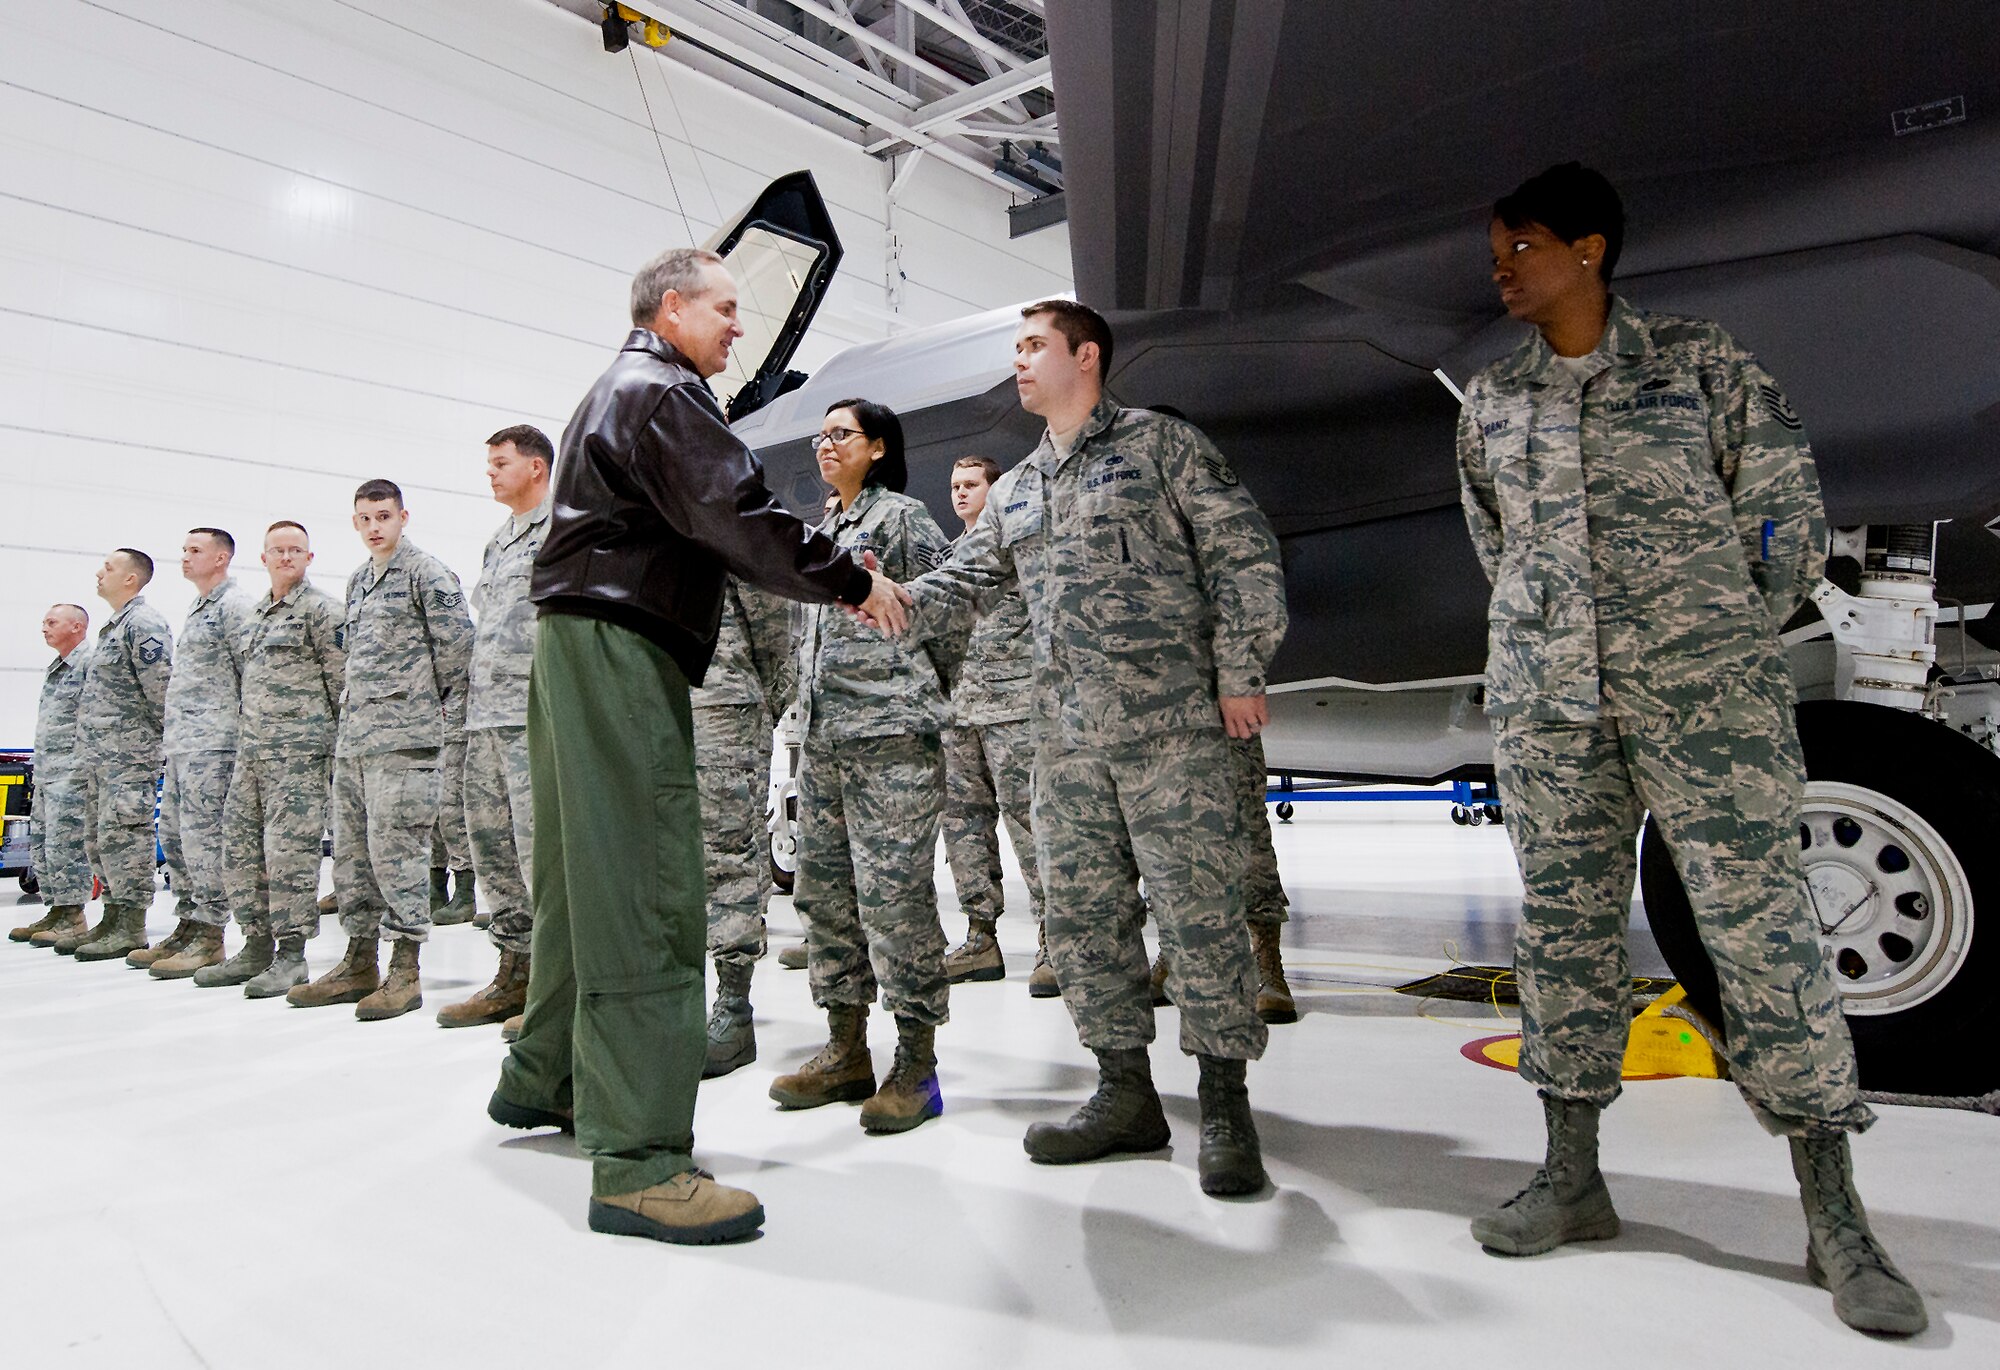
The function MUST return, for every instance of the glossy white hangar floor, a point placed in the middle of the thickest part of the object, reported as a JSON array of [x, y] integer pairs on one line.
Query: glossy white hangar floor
[[193, 1179]]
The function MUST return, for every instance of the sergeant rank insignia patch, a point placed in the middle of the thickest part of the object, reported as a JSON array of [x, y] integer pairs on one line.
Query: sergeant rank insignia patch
[[1781, 409]]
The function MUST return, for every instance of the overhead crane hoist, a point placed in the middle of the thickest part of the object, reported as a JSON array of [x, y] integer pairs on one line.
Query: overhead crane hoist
[[653, 34]]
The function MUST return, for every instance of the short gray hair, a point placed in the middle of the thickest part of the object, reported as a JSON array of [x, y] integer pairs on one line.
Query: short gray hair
[[677, 269]]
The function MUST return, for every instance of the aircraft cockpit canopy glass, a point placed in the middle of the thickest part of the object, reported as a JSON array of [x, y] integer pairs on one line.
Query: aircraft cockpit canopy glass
[[771, 268]]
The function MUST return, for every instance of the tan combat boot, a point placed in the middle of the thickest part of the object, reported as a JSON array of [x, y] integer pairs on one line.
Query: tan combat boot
[[175, 940], [401, 990], [202, 950], [60, 918], [793, 957], [1163, 966], [499, 1001], [358, 975], [690, 1209], [66, 920], [122, 931], [510, 1031], [1042, 983], [976, 958], [1274, 996], [842, 1072], [67, 943], [909, 1095]]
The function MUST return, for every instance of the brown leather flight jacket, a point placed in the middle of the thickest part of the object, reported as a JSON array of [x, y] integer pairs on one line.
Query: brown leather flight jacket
[[656, 502]]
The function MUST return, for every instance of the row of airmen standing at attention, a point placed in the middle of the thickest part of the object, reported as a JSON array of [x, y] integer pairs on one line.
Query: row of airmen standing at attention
[[427, 764], [391, 719]]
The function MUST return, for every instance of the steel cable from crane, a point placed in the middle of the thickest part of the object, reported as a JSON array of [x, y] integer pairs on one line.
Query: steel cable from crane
[[660, 143]]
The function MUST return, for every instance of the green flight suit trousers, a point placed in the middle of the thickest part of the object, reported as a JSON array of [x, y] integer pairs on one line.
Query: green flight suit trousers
[[615, 1024]]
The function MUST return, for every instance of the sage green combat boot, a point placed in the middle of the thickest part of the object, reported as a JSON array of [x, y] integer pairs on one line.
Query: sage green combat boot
[[842, 1071], [122, 932], [202, 952], [732, 1035], [1842, 1255], [60, 919], [358, 975], [175, 941], [246, 964], [1274, 997], [1042, 982], [1230, 1160], [1566, 1201], [463, 903], [440, 889], [909, 1095], [977, 957], [286, 970], [1123, 1115], [402, 988]]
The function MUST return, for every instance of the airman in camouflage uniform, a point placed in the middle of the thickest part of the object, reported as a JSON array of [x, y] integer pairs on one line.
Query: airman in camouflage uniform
[[1649, 515], [409, 641], [871, 782], [499, 811], [204, 698], [294, 663], [1153, 586], [989, 761], [751, 679], [56, 821], [120, 715], [1635, 665]]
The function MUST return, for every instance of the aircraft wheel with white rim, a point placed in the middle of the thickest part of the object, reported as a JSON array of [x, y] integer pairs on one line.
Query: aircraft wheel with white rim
[[1896, 840]]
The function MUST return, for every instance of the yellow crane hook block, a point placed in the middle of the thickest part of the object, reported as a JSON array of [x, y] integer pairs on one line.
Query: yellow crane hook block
[[654, 35]]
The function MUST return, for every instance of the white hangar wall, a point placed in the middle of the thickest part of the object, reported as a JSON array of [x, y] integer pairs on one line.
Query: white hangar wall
[[253, 252]]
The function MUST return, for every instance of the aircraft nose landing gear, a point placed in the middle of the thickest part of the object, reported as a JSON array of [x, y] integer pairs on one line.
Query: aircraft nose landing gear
[[1896, 847]]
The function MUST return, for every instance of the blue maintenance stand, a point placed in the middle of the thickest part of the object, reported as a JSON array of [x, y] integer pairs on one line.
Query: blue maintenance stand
[[1473, 802]]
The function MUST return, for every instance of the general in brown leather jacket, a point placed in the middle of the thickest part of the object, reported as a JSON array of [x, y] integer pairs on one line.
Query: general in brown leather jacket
[[656, 501]]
